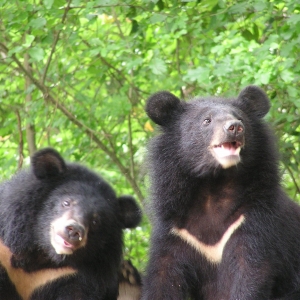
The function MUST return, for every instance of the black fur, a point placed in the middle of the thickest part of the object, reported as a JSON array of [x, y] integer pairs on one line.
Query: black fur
[[192, 190], [33, 199]]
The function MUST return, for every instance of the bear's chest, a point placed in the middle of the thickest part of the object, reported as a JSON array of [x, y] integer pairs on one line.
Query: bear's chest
[[210, 221], [26, 283]]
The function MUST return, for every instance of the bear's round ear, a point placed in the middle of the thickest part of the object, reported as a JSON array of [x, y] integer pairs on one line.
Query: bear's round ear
[[47, 163], [254, 100], [130, 214], [162, 106]]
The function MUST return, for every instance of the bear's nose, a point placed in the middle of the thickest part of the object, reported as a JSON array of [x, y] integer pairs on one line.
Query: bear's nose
[[234, 127], [75, 232]]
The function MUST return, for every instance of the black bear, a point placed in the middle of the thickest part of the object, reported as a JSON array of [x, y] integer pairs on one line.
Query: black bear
[[223, 228], [61, 232]]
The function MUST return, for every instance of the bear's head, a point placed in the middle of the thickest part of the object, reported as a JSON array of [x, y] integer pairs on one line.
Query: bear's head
[[66, 210], [207, 134]]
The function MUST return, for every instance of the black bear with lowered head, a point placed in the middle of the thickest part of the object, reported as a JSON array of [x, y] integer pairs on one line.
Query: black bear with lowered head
[[222, 226], [61, 232]]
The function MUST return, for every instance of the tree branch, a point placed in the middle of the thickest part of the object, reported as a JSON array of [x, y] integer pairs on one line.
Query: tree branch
[[293, 178], [67, 8], [30, 129], [21, 143], [131, 152]]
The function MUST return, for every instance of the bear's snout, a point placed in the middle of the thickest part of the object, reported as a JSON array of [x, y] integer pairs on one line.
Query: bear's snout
[[234, 128], [227, 142], [67, 235], [75, 232]]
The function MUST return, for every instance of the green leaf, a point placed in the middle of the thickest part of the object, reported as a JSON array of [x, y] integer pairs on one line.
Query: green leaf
[[160, 4], [134, 26], [293, 92], [200, 74], [260, 5], [255, 32], [294, 19], [36, 53], [157, 18], [239, 8], [17, 49], [134, 63], [38, 23], [208, 4], [263, 77], [247, 35], [287, 76], [158, 66], [28, 40], [48, 3]]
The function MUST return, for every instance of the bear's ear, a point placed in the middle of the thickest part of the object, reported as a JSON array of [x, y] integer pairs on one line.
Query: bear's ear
[[47, 163], [130, 214], [254, 100], [162, 106]]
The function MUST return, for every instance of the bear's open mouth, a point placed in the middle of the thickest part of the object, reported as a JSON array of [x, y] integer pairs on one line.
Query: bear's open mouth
[[228, 148], [227, 153], [67, 236], [63, 243]]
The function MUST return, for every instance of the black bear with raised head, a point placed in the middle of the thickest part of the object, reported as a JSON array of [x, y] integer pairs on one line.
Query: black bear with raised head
[[222, 226], [61, 232]]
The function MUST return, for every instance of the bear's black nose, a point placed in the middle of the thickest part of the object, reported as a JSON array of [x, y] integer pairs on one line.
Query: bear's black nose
[[234, 127], [75, 232]]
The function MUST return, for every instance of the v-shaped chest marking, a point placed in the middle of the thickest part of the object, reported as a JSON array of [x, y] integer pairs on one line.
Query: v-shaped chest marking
[[26, 283], [213, 253]]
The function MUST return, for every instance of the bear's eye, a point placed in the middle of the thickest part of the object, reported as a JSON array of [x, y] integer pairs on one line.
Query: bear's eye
[[207, 121], [94, 224], [66, 203], [95, 221]]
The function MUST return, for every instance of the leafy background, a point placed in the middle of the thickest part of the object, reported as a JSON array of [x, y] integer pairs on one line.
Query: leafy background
[[75, 75]]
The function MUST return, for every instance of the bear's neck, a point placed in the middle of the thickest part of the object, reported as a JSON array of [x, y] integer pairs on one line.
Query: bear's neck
[[220, 192]]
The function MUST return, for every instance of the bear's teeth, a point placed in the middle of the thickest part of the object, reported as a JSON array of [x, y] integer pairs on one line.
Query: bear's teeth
[[227, 149], [229, 145]]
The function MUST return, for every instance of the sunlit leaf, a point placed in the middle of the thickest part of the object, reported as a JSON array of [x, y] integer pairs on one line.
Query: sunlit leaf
[[158, 66], [37, 23], [36, 53], [48, 3]]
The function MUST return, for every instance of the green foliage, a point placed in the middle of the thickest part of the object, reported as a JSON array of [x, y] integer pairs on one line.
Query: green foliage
[[80, 71]]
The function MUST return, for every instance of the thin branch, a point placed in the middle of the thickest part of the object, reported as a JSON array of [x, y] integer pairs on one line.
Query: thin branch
[[122, 76], [105, 61], [131, 152], [67, 8], [109, 6], [21, 143], [293, 178], [30, 128], [118, 25]]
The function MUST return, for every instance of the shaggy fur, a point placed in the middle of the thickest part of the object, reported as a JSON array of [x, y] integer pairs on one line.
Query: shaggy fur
[[61, 231], [223, 227]]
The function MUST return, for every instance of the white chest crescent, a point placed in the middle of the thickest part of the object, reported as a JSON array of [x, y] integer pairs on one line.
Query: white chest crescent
[[213, 253], [26, 283]]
